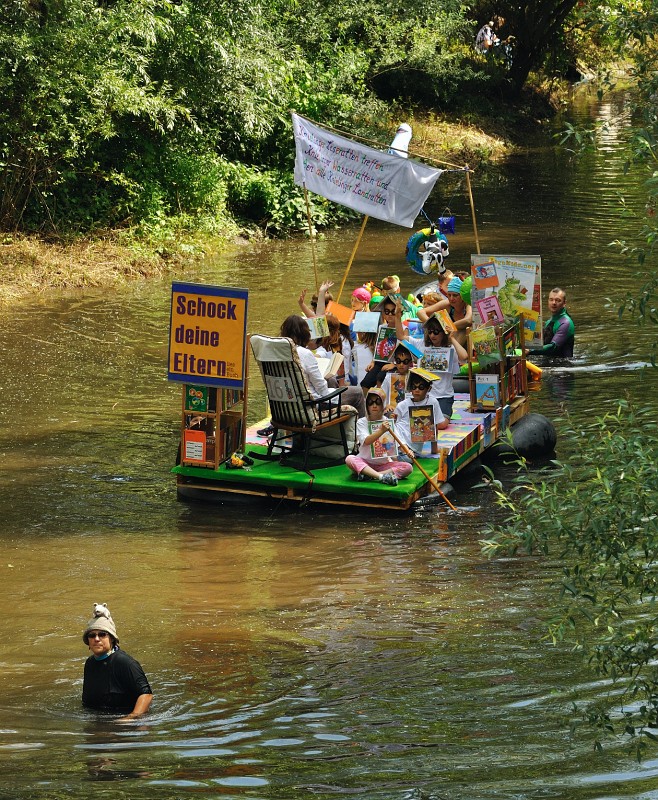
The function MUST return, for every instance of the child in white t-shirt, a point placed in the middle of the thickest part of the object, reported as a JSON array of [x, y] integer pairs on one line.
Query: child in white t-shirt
[[405, 418], [383, 468]]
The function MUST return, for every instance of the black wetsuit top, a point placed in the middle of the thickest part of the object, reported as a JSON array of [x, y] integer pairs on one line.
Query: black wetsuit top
[[113, 683]]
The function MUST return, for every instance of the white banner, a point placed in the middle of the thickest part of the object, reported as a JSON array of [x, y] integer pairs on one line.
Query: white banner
[[380, 185]]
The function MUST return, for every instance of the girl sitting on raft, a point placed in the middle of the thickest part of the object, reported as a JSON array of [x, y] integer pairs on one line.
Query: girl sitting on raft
[[366, 466]]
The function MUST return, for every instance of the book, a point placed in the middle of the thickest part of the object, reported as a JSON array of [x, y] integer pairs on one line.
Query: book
[[445, 320], [385, 446], [318, 326], [386, 343], [194, 445], [415, 328], [398, 388], [366, 321], [330, 365], [487, 391], [344, 314], [416, 352], [437, 359], [425, 374], [421, 424], [490, 311], [484, 342], [530, 320], [484, 275], [196, 398]]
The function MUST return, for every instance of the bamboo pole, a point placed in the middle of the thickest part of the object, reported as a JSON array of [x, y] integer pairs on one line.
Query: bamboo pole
[[349, 263], [409, 452], [470, 197], [312, 237], [379, 145]]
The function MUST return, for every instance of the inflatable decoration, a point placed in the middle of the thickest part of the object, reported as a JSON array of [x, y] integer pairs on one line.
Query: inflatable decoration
[[430, 258]]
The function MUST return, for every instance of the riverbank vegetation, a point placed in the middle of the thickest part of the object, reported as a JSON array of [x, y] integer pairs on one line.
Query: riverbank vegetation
[[161, 126]]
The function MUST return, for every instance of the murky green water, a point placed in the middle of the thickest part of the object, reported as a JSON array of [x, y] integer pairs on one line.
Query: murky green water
[[294, 654]]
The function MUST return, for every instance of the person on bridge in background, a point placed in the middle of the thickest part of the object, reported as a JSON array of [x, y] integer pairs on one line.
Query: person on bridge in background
[[113, 680], [559, 331]]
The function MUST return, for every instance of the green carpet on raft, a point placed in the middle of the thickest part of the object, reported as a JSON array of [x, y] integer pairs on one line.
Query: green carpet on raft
[[329, 480]]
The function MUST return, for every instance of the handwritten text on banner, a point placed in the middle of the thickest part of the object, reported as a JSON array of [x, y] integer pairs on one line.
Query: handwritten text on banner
[[380, 185]]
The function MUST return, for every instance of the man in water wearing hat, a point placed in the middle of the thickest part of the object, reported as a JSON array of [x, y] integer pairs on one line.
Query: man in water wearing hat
[[559, 331], [113, 680]]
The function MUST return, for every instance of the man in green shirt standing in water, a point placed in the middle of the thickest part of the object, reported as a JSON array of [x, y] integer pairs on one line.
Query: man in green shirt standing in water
[[559, 331]]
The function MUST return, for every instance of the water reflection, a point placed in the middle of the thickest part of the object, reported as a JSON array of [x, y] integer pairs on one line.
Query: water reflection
[[294, 653]]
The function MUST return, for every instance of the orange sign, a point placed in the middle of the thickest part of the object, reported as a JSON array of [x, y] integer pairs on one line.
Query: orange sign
[[207, 335]]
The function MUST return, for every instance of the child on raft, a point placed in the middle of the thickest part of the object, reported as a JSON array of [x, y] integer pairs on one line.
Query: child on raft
[[336, 342], [420, 389], [382, 468], [318, 301], [396, 376], [434, 336]]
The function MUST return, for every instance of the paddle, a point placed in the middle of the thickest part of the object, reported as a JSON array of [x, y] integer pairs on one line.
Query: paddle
[[410, 453]]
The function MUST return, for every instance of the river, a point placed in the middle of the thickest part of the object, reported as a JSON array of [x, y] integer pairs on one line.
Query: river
[[297, 653]]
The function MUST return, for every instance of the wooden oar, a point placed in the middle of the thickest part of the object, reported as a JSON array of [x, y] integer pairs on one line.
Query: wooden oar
[[410, 453]]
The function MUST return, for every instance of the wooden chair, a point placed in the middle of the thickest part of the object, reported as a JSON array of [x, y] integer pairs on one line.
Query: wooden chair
[[313, 423]]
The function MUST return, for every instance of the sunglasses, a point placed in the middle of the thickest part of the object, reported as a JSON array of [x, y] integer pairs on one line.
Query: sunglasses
[[97, 635], [403, 361], [434, 331], [374, 401], [389, 311], [418, 386]]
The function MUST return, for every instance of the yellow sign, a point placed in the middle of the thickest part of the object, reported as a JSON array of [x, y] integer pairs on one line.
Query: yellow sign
[[207, 335]]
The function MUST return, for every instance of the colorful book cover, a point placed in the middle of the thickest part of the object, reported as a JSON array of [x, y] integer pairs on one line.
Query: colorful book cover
[[421, 424], [366, 321], [415, 328], [344, 314], [530, 320], [505, 418], [194, 445], [490, 311], [196, 398], [445, 320], [487, 391], [484, 342], [318, 326], [416, 352], [437, 359], [425, 374], [511, 341], [398, 388], [484, 275], [386, 444], [386, 343]]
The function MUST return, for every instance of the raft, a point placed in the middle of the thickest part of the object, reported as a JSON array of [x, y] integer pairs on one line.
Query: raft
[[465, 440]]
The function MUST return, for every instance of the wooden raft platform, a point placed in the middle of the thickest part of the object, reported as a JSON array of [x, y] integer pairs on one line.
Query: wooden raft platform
[[469, 434]]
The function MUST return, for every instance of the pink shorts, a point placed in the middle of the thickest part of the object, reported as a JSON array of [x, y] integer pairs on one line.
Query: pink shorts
[[399, 468]]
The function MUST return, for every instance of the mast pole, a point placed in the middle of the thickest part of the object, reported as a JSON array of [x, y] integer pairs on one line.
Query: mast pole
[[312, 238], [470, 197], [354, 249]]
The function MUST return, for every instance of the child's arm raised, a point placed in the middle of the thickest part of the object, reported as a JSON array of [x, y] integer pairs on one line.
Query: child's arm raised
[[306, 311]]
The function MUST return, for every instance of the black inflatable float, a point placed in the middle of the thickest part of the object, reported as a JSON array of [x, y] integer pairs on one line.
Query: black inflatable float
[[533, 436]]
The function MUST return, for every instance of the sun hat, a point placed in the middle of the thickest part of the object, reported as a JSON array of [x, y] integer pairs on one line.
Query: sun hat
[[455, 285], [101, 621], [379, 392], [362, 294]]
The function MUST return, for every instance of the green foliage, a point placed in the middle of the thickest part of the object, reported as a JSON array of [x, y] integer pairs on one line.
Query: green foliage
[[130, 112], [597, 515]]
